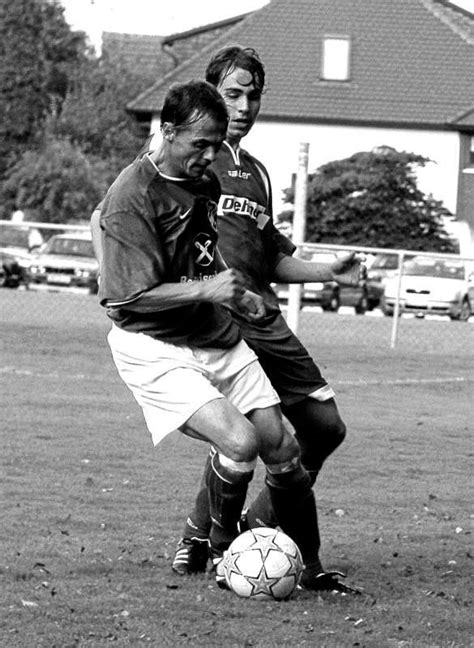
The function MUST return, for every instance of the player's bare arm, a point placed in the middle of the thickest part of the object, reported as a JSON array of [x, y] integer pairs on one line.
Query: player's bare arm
[[226, 288], [95, 231], [346, 270]]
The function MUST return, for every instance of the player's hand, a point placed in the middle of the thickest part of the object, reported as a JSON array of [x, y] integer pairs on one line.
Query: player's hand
[[251, 306], [225, 288], [349, 270]]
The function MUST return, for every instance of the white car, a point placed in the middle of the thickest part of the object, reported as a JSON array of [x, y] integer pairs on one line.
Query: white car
[[431, 286], [66, 260]]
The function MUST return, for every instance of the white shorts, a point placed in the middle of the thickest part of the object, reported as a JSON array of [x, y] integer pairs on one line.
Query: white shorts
[[170, 383]]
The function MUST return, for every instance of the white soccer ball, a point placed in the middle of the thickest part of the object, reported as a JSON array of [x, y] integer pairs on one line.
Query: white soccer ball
[[263, 563]]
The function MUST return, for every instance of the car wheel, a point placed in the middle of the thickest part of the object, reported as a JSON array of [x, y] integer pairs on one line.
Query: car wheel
[[386, 310], [373, 303], [10, 282], [10, 275], [333, 303], [464, 313], [363, 305]]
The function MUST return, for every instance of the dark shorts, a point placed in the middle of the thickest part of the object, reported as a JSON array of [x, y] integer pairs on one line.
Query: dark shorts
[[287, 363]]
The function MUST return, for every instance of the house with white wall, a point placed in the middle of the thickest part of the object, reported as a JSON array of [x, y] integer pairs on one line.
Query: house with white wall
[[351, 75]]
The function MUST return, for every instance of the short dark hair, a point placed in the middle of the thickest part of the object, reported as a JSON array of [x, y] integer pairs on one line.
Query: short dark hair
[[235, 56], [186, 103]]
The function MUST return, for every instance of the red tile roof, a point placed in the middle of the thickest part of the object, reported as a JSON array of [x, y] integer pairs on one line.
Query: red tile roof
[[412, 62]]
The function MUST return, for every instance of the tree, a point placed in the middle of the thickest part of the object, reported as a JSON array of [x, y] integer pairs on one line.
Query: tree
[[58, 100], [37, 53], [372, 199], [94, 116], [56, 183]]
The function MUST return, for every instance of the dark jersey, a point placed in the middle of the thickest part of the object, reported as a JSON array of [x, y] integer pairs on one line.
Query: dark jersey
[[158, 230], [249, 241]]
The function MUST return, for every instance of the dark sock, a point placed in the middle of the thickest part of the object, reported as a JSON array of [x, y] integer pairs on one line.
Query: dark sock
[[198, 524], [261, 513], [295, 509], [227, 490]]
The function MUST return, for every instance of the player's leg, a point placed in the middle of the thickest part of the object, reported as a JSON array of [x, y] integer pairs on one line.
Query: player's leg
[[319, 430], [288, 484], [230, 468], [192, 549], [243, 382], [157, 373], [288, 502]]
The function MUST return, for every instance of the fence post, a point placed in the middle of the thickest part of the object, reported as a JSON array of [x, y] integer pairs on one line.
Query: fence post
[[299, 229], [396, 309]]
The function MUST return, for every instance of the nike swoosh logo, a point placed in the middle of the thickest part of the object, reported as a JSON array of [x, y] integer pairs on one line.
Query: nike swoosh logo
[[183, 216]]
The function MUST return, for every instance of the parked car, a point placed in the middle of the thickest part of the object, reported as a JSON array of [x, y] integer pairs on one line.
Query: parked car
[[17, 246], [383, 267], [431, 286], [66, 260], [328, 294], [11, 272]]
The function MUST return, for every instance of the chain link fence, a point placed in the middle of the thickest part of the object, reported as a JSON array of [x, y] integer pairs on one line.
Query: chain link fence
[[407, 298], [414, 292]]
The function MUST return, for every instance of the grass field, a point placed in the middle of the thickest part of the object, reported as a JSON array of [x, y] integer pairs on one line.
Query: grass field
[[91, 511]]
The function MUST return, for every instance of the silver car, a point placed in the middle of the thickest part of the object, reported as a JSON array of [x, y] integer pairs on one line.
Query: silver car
[[431, 286], [66, 260]]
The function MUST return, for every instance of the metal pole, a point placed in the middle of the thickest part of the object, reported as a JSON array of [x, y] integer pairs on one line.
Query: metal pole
[[299, 230], [396, 309]]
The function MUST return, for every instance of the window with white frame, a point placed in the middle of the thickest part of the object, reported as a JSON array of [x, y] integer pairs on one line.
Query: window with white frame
[[336, 58]]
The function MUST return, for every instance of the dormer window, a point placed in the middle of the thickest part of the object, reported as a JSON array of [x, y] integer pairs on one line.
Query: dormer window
[[336, 58]]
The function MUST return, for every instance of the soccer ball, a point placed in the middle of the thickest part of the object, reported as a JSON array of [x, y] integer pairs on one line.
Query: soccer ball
[[263, 563]]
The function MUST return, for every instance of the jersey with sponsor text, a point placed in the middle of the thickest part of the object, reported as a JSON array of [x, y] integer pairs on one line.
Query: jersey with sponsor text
[[156, 230], [248, 239]]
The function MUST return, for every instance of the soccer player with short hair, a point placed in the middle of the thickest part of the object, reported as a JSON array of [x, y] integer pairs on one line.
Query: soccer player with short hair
[[249, 242], [173, 339]]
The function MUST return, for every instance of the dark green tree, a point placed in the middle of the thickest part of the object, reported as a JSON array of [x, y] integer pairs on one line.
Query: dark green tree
[[56, 183], [372, 199], [64, 130], [38, 51]]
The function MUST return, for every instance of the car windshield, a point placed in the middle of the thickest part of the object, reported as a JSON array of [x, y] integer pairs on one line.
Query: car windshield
[[14, 237], [386, 262], [69, 246], [434, 268]]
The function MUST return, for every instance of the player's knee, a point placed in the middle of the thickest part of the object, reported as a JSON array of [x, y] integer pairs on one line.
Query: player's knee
[[284, 450], [319, 424], [241, 444]]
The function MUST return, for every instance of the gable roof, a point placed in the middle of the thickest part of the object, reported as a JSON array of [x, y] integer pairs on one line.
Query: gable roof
[[412, 62], [154, 55]]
